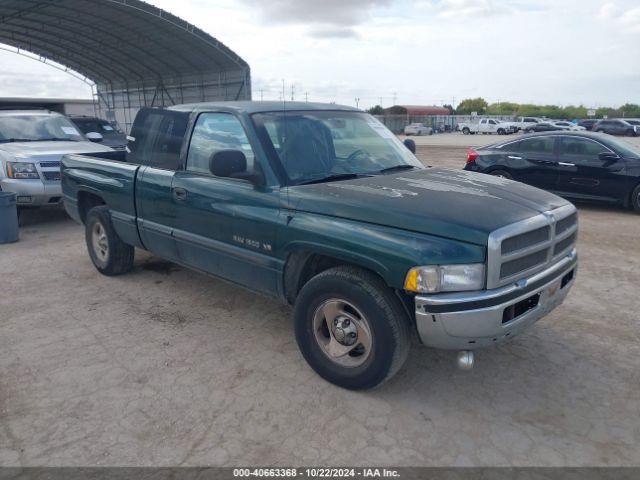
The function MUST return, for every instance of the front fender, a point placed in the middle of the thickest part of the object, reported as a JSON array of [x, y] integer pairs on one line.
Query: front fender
[[390, 252]]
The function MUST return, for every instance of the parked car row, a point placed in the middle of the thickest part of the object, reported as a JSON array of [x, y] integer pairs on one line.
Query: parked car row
[[32, 143]]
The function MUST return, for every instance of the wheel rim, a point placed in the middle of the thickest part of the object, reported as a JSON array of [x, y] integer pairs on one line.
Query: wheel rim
[[342, 333], [99, 242]]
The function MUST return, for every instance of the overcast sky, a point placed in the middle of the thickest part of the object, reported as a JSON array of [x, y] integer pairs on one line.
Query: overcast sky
[[423, 51]]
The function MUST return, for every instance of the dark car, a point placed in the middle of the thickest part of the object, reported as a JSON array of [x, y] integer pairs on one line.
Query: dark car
[[617, 127], [578, 165], [111, 136], [588, 123], [543, 127]]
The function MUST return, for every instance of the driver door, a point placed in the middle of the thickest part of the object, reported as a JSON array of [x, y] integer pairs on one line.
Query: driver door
[[226, 226], [583, 174]]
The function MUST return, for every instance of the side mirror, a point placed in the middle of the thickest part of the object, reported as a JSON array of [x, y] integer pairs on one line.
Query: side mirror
[[609, 157], [232, 164], [94, 137], [410, 144]]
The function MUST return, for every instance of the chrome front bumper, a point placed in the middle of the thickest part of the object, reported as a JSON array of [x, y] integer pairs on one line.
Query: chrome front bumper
[[471, 320], [33, 193]]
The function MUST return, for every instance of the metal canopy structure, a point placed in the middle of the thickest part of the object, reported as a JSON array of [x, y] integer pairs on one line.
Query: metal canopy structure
[[133, 54]]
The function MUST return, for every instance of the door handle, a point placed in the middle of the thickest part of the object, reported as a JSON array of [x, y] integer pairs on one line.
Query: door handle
[[513, 157], [565, 164], [179, 193]]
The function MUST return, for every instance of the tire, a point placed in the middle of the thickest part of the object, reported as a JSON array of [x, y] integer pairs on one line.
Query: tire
[[109, 254], [362, 307], [466, 131], [635, 199], [630, 133], [501, 131], [501, 173]]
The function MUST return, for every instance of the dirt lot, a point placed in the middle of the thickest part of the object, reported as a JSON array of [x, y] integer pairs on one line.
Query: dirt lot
[[165, 366]]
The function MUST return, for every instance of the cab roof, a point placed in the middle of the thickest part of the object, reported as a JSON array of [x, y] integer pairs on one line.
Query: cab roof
[[251, 107]]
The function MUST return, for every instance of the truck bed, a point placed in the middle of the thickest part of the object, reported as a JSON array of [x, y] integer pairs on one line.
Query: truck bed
[[113, 181]]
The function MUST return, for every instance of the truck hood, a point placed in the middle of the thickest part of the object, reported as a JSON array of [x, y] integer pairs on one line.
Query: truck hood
[[37, 151], [456, 204]]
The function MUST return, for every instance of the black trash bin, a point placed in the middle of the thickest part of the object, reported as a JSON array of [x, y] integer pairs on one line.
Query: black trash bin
[[8, 218]]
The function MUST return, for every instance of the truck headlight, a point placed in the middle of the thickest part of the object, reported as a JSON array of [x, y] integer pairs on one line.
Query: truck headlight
[[445, 278], [22, 171]]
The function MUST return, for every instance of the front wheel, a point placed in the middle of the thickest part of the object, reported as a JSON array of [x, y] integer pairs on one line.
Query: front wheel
[[466, 131], [501, 131], [109, 254], [351, 328]]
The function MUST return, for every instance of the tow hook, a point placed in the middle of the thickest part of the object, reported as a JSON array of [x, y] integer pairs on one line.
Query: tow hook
[[465, 360]]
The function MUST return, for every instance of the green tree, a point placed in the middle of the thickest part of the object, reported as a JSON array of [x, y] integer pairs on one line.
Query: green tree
[[468, 105], [377, 110]]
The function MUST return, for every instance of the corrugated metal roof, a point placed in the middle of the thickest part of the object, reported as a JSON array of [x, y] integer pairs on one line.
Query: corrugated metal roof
[[114, 40]]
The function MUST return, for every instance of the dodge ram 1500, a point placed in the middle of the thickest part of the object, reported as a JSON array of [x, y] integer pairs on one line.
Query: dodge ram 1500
[[323, 207]]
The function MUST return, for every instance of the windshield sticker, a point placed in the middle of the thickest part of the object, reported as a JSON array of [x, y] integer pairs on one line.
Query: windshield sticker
[[70, 131]]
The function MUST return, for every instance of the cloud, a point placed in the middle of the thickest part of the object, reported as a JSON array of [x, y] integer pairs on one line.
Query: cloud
[[628, 20], [326, 19], [477, 8]]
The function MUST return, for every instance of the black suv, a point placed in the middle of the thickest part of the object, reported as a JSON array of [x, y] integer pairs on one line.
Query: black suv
[[617, 127], [111, 136], [588, 123], [579, 165]]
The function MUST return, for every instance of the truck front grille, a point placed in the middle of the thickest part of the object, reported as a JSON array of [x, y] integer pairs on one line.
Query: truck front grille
[[525, 248]]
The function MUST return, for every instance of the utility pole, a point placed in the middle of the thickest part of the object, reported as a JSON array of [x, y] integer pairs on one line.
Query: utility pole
[[357, 102], [261, 95], [306, 97], [395, 97], [292, 91], [283, 97], [380, 101]]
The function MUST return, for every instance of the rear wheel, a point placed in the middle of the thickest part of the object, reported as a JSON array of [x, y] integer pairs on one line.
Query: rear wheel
[[466, 131], [635, 199], [502, 174], [351, 328], [109, 254]]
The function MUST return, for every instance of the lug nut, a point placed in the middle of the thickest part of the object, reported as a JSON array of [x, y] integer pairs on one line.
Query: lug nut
[[346, 322]]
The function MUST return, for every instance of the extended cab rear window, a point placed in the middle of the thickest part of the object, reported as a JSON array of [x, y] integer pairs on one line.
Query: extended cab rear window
[[157, 138]]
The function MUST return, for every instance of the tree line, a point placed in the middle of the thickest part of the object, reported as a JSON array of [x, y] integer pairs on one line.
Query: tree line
[[482, 107]]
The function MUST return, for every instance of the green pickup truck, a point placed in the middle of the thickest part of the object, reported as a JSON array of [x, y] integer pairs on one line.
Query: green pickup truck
[[324, 208]]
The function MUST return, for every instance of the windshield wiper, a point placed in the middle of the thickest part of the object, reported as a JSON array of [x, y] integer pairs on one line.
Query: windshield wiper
[[397, 168], [333, 178]]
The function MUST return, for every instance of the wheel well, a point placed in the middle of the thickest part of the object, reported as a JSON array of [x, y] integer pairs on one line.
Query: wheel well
[[303, 266], [86, 201]]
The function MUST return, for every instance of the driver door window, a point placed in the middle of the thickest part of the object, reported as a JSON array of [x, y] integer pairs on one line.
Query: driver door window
[[212, 133]]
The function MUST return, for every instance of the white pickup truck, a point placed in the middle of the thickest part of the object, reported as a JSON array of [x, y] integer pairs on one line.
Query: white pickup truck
[[32, 142], [487, 125], [523, 123]]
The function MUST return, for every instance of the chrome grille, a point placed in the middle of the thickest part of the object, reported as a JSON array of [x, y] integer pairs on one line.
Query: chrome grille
[[525, 248]]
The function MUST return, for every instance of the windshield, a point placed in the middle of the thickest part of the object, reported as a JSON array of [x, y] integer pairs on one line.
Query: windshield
[[97, 126], [34, 128], [313, 145]]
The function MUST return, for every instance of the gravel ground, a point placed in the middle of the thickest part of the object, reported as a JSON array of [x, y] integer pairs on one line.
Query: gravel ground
[[165, 366]]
